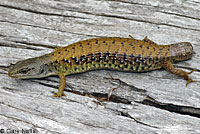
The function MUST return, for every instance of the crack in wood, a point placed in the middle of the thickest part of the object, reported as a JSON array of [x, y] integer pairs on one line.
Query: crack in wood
[[194, 1], [126, 114], [41, 13], [18, 46], [180, 15], [35, 44], [91, 125], [37, 26], [183, 110], [4, 67], [10, 89]]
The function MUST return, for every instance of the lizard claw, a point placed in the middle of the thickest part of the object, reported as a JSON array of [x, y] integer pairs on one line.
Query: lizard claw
[[191, 71], [57, 94], [189, 81]]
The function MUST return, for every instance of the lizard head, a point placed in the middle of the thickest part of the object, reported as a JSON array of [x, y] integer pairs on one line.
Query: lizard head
[[31, 68]]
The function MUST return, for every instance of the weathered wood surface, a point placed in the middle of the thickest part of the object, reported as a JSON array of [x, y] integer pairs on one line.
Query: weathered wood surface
[[153, 102]]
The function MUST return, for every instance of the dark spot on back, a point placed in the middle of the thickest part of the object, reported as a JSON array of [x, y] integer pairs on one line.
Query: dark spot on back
[[140, 46], [104, 41], [113, 42], [73, 48], [148, 47]]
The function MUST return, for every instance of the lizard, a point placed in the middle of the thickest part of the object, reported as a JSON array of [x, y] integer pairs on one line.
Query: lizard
[[115, 53]]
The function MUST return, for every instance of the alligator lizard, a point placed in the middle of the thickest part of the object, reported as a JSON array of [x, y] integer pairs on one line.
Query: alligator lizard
[[124, 54]]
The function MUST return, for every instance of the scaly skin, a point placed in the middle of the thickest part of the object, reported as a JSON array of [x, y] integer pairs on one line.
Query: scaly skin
[[124, 54]]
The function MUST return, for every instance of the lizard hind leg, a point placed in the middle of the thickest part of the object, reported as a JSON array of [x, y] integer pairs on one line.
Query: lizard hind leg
[[131, 36], [168, 66], [146, 39]]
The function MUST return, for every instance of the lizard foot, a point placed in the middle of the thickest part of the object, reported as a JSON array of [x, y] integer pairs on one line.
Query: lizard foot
[[58, 94]]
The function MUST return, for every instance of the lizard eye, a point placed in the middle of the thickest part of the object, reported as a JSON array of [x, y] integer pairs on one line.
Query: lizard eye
[[24, 70]]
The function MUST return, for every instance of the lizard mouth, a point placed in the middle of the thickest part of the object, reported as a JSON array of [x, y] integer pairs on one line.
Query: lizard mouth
[[12, 75], [10, 71]]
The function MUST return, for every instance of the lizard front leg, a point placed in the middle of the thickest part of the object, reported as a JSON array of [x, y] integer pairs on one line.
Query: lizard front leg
[[61, 86], [168, 66]]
